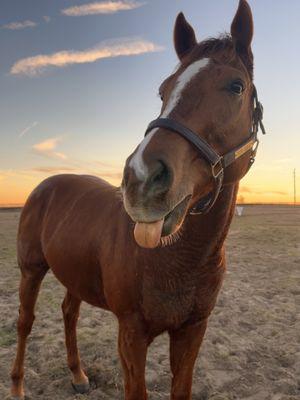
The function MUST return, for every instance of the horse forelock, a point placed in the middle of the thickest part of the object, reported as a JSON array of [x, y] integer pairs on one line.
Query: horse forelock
[[223, 46]]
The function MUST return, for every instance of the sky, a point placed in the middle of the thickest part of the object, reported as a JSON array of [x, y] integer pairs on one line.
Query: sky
[[79, 82]]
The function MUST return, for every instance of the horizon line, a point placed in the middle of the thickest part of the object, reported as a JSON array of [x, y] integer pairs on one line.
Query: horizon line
[[291, 204]]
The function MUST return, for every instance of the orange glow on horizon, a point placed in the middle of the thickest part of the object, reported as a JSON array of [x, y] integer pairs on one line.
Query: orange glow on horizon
[[16, 187]]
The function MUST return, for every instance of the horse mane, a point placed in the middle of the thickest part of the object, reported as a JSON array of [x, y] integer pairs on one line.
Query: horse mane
[[224, 43]]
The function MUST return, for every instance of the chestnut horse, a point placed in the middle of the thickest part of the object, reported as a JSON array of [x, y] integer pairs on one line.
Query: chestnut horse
[[152, 252]]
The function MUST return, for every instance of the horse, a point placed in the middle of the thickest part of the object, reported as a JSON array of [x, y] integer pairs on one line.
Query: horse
[[152, 250]]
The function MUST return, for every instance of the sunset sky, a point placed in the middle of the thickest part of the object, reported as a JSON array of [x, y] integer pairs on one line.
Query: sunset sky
[[79, 84]]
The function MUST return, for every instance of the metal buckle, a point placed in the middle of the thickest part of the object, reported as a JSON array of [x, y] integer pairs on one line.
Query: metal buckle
[[254, 148], [219, 165]]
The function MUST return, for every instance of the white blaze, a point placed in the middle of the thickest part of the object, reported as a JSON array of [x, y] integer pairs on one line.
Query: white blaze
[[137, 162], [182, 81]]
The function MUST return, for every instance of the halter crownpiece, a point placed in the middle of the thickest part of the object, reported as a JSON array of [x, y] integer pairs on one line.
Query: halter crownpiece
[[217, 162]]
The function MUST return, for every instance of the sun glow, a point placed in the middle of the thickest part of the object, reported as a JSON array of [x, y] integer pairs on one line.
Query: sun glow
[[258, 187]]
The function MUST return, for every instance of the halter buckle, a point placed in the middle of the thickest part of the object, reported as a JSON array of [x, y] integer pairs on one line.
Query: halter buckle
[[254, 150], [217, 168], [255, 146]]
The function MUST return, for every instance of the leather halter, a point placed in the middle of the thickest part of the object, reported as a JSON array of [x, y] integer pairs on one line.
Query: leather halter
[[217, 162]]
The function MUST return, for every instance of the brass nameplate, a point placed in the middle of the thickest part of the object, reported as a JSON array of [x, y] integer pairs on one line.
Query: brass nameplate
[[244, 149]]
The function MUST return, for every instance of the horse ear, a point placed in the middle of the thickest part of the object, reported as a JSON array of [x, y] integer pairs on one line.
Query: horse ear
[[242, 28], [184, 36]]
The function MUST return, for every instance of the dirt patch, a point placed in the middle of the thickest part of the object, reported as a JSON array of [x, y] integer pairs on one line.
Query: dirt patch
[[251, 350]]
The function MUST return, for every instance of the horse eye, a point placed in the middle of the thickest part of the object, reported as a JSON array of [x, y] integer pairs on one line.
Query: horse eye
[[237, 87], [161, 96]]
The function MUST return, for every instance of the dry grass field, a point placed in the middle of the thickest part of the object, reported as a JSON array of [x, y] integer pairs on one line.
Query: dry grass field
[[251, 350]]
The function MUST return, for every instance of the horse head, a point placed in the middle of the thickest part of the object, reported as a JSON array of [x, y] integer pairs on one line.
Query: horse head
[[212, 97]]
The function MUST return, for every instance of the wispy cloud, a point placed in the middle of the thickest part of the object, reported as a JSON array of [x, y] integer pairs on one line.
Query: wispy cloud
[[127, 47], [246, 189], [46, 18], [14, 26], [109, 175], [26, 130], [54, 170], [284, 160], [101, 7], [11, 173], [48, 148]]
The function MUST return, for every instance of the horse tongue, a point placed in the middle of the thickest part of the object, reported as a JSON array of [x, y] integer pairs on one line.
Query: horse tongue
[[148, 234]]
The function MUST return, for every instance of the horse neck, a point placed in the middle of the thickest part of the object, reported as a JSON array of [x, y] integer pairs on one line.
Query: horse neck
[[204, 235]]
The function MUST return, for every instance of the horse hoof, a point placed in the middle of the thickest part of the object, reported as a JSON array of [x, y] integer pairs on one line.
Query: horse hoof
[[81, 388]]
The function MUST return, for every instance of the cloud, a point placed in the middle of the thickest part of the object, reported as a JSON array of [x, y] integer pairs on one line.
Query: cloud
[[245, 189], [53, 170], [101, 7], [13, 26], [11, 173], [26, 130], [59, 155], [47, 145], [110, 175], [106, 165], [34, 65], [46, 18], [284, 160], [48, 148]]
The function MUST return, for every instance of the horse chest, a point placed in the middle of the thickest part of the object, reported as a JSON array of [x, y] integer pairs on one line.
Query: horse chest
[[172, 296], [168, 300]]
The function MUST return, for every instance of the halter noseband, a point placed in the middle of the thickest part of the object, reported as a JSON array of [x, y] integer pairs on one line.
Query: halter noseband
[[217, 162]]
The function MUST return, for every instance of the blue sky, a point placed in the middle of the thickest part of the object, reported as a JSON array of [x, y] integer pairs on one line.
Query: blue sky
[[89, 117]]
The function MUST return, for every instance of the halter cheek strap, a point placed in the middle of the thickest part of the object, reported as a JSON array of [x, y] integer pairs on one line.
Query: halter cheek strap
[[217, 162]]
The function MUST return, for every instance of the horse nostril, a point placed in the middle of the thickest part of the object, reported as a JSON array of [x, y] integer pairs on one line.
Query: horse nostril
[[160, 179]]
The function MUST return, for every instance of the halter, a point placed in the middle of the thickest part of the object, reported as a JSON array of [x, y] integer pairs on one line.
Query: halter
[[217, 162]]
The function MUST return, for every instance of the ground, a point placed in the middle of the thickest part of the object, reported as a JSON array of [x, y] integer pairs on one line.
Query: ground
[[251, 349]]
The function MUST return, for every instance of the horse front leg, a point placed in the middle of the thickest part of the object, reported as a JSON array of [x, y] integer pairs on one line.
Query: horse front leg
[[133, 343], [184, 347]]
